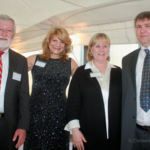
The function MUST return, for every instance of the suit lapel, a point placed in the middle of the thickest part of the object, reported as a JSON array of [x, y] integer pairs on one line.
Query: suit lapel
[[94, 80], [112, 82], [133, 66], [12, 65]]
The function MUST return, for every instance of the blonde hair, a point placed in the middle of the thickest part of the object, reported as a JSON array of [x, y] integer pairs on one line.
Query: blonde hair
[[62, 35], [98, 36]]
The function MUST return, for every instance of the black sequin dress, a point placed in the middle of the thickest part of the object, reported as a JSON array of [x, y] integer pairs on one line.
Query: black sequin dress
[[48, 106]]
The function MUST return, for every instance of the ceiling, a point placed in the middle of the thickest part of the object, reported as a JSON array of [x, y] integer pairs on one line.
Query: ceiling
[[83, 18]]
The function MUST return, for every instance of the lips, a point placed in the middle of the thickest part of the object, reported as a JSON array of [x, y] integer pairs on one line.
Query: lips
[[101, 54], [56, 48], [143, 35], [3, 39]]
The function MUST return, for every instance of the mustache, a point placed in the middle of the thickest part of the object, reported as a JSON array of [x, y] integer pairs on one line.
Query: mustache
[[4, 37]]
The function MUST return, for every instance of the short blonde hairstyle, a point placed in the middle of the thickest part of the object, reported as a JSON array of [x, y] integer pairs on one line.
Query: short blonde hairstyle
[[62, 35], [98, 36]]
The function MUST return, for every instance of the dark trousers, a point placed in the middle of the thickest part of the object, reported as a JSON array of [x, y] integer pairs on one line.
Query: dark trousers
[[2, 135], [4, 144], [141, 139]]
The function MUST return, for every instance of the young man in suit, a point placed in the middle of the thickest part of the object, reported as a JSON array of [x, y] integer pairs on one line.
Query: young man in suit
[[136, 90], [14, 91]]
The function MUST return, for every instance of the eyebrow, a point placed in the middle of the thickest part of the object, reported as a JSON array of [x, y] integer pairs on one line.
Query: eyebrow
[[7, 27]]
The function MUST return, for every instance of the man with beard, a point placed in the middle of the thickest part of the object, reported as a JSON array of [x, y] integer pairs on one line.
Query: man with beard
[[14, 91]]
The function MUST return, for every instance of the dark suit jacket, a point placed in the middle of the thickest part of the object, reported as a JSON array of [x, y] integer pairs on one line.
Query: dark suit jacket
[[85, 103], [128, 100], [16, 100]]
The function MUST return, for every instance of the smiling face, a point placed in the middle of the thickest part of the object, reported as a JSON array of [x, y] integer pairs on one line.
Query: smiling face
[[56, 47], [6, 34], [100, 51], [142, 28]]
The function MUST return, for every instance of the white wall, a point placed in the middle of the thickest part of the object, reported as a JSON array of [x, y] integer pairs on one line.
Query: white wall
[[77, 54], [117, 52]]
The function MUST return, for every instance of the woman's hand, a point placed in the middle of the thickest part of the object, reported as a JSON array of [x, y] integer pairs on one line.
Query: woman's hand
[[78, 139]]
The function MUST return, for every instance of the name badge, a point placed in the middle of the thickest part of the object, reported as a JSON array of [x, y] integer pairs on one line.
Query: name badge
[[16, 76], [40, 64], [96, 74]]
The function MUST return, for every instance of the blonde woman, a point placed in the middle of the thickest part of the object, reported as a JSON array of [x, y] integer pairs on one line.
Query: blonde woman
[[94, 100], [51, 72]]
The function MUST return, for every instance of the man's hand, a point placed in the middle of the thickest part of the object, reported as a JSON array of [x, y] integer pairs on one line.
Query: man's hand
[[21, 134], [78, 139]]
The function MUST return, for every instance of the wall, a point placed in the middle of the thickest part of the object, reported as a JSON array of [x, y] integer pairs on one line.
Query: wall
[[117, 52]]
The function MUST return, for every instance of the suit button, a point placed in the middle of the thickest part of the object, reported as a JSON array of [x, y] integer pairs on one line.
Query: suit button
[[134, 117], [134, 98]]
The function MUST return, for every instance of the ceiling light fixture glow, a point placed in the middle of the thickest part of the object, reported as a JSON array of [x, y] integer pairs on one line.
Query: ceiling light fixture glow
[[75, 39]]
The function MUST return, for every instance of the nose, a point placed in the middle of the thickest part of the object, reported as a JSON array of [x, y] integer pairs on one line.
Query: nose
[[58, 43], [101, 49], [4, 33], [142, 29]]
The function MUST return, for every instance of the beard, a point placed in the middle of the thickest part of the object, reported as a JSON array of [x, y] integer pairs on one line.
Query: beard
[[6, 43]]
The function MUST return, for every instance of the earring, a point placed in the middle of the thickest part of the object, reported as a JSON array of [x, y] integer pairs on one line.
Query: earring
[[91, 53], [64, 51]]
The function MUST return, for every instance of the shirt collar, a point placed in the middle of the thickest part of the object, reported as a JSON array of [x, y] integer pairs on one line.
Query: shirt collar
[[6, 52], [142, 48], [91, 65]]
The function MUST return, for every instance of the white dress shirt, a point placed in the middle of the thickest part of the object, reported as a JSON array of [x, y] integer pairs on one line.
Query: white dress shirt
[[5, 58], [104, 81], [143, 118]]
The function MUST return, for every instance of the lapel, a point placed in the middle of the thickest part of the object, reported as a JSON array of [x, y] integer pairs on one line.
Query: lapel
[[133, 67], [11, 67], [94, 80], [111, 85], [112, 82]]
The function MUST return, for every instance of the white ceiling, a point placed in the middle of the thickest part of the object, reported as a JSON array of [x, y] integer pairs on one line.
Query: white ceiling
[[83, 18]]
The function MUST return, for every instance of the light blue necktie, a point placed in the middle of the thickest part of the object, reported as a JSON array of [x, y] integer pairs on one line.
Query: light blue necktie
[[145, 84]]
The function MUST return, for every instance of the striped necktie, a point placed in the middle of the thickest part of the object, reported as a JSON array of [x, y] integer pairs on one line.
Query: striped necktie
[[145, 84], [1, 68]]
